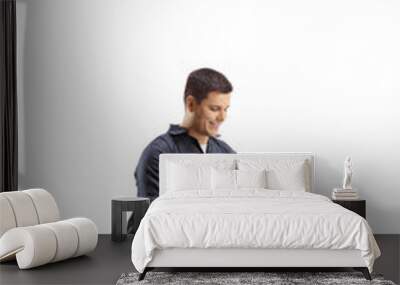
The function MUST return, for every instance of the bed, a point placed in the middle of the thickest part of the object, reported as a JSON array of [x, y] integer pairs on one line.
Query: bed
[[248, 210]]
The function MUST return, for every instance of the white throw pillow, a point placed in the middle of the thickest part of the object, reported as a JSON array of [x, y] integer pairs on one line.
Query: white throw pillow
[[223, 179], [287, 179], [182, 177], [226, 179], [282, 174], [251, 178]]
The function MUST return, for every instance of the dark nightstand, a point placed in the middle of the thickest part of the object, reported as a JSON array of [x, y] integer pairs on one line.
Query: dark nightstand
[[119, 206], [357, 206]]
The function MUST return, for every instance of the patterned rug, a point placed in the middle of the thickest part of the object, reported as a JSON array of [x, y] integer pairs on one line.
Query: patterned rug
[[269, 278]]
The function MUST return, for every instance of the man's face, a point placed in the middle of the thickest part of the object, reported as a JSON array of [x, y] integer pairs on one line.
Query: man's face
[[211, 113]]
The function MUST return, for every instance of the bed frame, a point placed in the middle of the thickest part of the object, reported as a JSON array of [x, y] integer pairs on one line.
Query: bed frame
[[247, 258]]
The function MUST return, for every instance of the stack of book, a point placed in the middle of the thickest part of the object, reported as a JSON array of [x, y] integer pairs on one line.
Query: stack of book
[[344, 194]]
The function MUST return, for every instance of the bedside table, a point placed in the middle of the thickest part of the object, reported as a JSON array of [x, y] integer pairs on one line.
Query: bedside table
[[357, 206], [119, 206]]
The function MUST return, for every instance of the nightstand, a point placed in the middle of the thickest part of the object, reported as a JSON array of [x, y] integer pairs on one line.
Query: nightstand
[[357, 206], [119, 206]]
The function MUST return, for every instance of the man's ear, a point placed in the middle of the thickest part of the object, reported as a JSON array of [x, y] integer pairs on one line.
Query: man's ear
[[190, 103]]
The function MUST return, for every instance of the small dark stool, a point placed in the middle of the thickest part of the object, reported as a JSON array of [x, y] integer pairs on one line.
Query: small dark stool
[[119, 205]]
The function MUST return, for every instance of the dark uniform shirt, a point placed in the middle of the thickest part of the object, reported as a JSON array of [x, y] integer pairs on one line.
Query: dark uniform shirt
[[175, 140]]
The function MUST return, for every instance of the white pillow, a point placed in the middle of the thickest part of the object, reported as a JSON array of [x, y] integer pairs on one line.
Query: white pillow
[[226, 179], [287, 179], [182, 177], [282, 174], [223, 179], [251, 178]]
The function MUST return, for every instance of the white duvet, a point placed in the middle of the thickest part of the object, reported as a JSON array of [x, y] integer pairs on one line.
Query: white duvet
[[251, 218]]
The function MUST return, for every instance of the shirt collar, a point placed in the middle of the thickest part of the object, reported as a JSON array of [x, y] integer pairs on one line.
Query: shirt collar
[[177, 130]]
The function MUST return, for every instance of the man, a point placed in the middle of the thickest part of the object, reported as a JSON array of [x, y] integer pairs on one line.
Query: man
[[207, 99]]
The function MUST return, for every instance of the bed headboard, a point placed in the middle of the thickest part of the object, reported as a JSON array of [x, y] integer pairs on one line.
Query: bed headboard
[[164, 158]]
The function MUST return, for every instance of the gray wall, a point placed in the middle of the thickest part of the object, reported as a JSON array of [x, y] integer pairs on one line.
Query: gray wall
[[99, 79]]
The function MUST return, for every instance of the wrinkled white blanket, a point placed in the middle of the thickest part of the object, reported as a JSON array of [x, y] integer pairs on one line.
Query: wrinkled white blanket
[[251, 218]]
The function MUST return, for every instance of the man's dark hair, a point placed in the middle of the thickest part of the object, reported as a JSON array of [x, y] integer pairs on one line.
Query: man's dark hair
[[205, 80]]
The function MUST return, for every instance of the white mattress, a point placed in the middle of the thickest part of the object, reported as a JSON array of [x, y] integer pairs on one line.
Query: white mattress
[[252, 218]]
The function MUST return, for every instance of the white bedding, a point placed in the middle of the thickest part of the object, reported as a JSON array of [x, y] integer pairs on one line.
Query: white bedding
[[250, 218]]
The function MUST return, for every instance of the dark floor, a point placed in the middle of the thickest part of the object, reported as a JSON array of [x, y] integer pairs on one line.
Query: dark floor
[[103, 266], [111, 259]]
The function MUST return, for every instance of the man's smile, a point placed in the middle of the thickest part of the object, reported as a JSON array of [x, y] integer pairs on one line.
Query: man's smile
[[214, 125]]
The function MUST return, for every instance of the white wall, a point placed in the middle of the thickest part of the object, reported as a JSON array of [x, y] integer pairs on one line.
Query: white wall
[[100, 79]]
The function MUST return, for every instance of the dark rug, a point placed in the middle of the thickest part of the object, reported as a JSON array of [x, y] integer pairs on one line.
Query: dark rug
[[270, 278]]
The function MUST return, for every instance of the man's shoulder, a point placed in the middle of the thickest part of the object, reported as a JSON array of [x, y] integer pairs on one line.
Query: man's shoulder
[[162, 143], [151, 153], [223, 145]]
